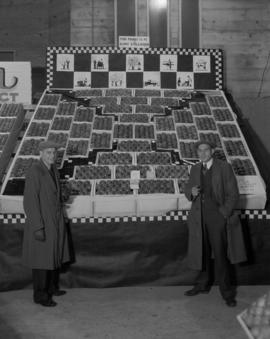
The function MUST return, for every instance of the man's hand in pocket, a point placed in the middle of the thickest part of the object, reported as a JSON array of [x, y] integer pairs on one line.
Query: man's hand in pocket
[[40, 235]]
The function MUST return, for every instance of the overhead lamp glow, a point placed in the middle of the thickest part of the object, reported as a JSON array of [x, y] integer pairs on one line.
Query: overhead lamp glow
[[160, 3]]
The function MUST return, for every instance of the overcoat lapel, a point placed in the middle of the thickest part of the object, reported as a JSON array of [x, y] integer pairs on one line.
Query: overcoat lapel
[[216, 182], [56, 180], [49, 179]]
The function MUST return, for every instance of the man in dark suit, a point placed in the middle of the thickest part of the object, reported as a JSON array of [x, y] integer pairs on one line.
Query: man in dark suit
[[45, 243], [212, 222]]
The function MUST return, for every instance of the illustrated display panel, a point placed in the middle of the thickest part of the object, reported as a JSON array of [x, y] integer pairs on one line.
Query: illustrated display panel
[[106, 134], [157, 68]]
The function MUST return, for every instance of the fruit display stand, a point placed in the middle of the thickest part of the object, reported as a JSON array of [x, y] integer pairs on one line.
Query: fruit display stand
[[107, 128], [11, 123], [255, 320]]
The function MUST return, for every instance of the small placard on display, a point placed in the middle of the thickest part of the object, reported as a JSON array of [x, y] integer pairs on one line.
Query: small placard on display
[[134, 41], [249, 184]]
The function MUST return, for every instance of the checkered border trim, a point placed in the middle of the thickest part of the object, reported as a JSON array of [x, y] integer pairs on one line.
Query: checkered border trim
[[171, 216], [217, 53], [12, 219]]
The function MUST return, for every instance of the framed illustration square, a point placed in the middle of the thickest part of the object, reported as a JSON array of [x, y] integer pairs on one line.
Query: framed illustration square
[[201, 64], [65, 62], [151, 80], [134, 62], [117, 79], [185, 80], [168, 62], [99, 62], [82, 79]]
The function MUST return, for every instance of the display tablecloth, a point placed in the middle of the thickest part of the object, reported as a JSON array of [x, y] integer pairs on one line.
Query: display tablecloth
[[132, 251]]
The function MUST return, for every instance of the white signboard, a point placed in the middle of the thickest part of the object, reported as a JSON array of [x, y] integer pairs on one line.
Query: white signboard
[[134, 41], [250, 184], [15, 82]]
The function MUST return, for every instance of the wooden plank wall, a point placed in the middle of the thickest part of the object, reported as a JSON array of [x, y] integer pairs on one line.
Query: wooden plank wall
[[59, 23], [29, 26], [24, 28], [142, 18], [92, 23], [242, 29]]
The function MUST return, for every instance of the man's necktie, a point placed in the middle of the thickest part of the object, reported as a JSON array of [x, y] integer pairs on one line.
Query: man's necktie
[[204, 168]]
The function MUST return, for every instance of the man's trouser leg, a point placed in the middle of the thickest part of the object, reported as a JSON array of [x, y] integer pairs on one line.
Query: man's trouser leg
[[53, 281], [204, 279], [40, 285], [216, 226]]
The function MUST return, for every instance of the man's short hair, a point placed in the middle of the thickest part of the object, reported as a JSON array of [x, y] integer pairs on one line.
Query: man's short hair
[[205, 142], [47, 144]]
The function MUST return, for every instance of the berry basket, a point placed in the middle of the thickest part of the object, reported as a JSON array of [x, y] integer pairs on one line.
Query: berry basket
[[255, 320]]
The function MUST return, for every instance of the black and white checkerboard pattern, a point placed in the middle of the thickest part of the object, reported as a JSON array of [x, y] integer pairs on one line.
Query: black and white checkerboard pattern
[[171, 216], [112, 67]]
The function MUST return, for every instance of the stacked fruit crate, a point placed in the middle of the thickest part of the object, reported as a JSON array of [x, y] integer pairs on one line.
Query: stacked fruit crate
[[105, 134]]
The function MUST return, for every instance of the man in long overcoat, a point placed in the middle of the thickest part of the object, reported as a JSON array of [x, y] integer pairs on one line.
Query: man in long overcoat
[[214, 227], [45, 243]]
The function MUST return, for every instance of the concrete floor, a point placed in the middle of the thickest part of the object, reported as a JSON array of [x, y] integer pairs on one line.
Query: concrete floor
[[125, 313]]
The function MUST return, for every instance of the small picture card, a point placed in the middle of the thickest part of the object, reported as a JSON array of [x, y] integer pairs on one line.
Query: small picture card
[[82, 79], [99, 63], [117, 79], [151, 79], [65, 63], [185, 80], [168, 63], [134, 63], [201, 64]]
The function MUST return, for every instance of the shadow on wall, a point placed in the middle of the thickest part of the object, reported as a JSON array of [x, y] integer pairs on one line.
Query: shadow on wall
[[38, 83], [254, 119]]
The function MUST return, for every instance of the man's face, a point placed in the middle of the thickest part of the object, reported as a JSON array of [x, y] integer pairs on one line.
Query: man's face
[[48, 156], [205, 152]]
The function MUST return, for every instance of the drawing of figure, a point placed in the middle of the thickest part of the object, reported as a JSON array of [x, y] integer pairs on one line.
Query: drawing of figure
[[187, 82], [100, 64], [201, 65], [95, 64]]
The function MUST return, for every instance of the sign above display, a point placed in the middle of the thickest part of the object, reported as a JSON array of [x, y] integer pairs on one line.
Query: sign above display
[[134, 42], [148, 68], [15, 82]]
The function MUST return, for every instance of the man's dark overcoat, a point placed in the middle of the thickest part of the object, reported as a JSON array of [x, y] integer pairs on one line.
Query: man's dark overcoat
[[43, 209], [226, 194]]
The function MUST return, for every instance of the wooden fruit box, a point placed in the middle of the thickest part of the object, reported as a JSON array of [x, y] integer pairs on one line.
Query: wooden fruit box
[[240, 318]]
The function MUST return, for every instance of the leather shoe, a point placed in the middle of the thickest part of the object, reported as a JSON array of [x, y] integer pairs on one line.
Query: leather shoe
[[58, 293], [231, 302], [47, 303], [197, 290]]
